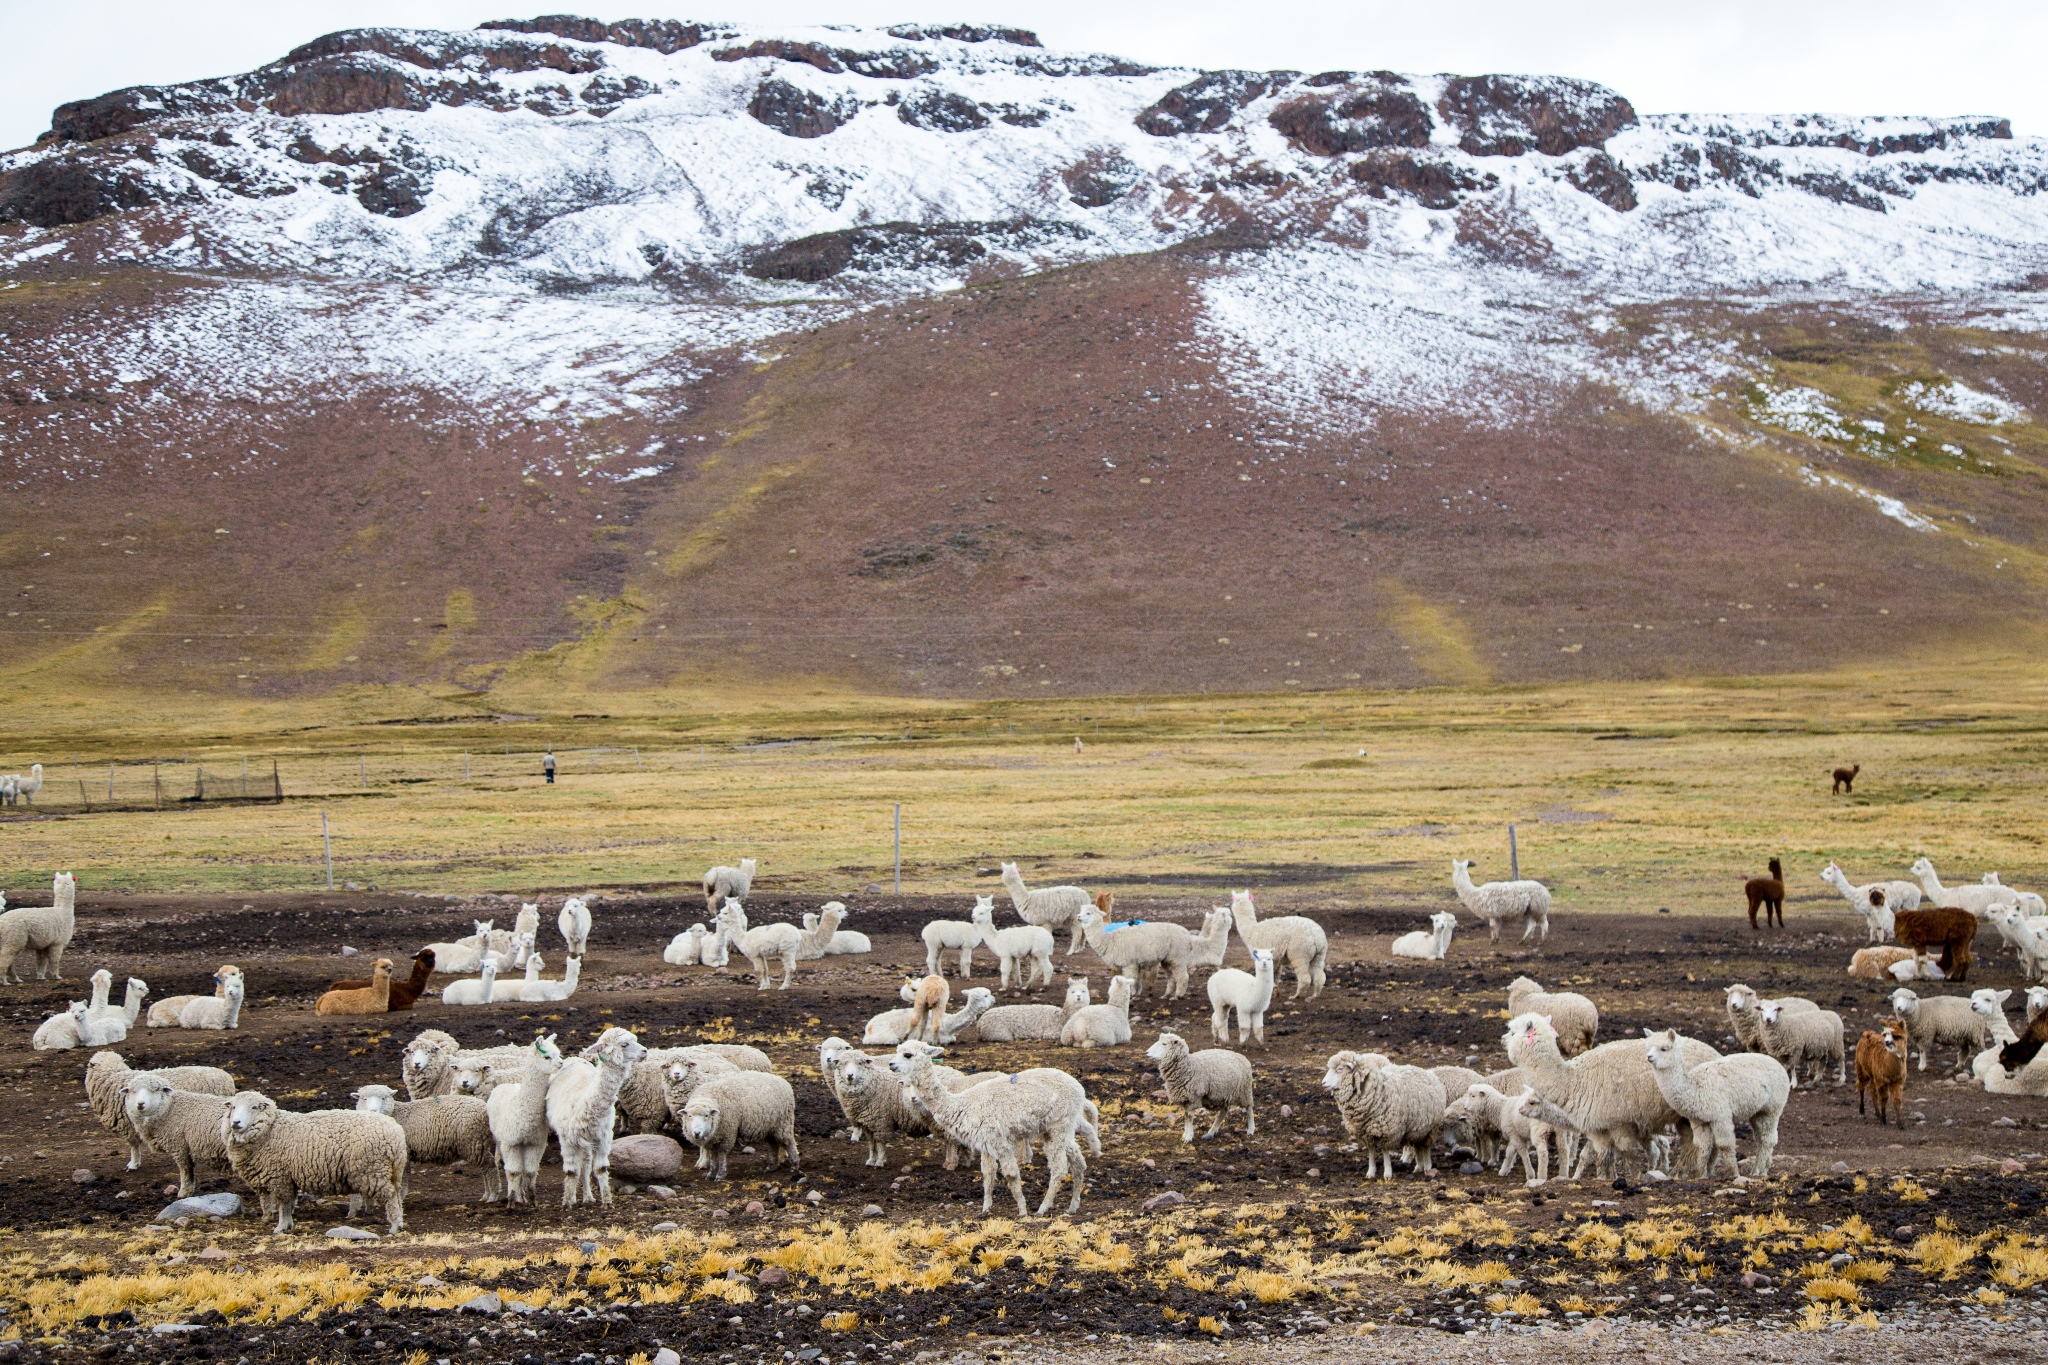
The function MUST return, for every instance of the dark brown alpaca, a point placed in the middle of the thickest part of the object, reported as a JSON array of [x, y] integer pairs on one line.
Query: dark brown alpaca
[[2024, 1048], [1845, 779], [1950, 930], [1881, 1069], [1768, 892], [403, 993]]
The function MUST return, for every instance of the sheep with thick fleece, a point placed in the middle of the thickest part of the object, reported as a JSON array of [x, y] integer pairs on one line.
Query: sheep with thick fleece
[[874, 1105], [844, 941], [1102, 1025], [1456, 1080], [60, 1031], [1607, 1094], [1049, 907], [893, 1026], [722, 884], [1745, 1013], [1975, 899], [1428, 945], [107, 1072], [1576, 1018], [1715, 1096], [1249, 993], [642, 1106], [441, 1130], [1294, 939], [517, 1112], [1137, 949], [1877, 902], [748, 1106], [680, 1079], [1040, 1107], [429, 1060], [581, 1114], [1941, 1020], [185, 1125], [1022, 950], [1214, 1079], [1387, 1109], [1503, 902], [1032, 1023], [328, 1152], [1814, 1036], [42, 930]]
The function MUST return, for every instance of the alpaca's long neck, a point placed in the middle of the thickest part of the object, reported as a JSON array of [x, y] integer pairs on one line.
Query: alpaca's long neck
[[1014, 884], [1931, 884], [234, 1008], [946, 1108], [533, 1094], [102, 988], [1676, 1082]]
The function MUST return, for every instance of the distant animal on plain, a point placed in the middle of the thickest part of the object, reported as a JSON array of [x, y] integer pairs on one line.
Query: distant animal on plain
[[1845, 779], [1769, 893]]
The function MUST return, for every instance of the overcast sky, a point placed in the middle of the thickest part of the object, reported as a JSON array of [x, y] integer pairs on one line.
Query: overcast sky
[[1839, 56]]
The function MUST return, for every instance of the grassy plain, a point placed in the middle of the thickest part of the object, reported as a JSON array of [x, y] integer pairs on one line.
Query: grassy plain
[[1625, 796]]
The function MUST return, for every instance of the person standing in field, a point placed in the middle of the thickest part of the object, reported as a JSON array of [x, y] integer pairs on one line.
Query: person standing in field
[[547, 766]]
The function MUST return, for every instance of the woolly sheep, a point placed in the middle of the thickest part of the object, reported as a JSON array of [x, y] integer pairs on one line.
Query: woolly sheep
[[1877, 902], [1049, 907], [1428, 945], [1576, 1018], [1387, 1108], [1102, 1025], [43, 930], [845, 941], [1249, 993], [749, 1106], [1137, 949], [722, 884], [429, 1059], [517, 1114], [763, 943], [1941, 1020], [1807, 1036], [641, 1104], [441, 1130], [580, 1114], [1294, 939], [874, 1104], [1032, 1023], [1715, 1096], [1214, 1079], [1041, 1106], [184, 1125], [893, 1026], [1745, 1013], [1975, 899], [107, 1072], [1022, 950], [1499, 902], [59, 1032], [680, 1079], [1607, 1093], [574, 924], [324, 1153], [942, 936]]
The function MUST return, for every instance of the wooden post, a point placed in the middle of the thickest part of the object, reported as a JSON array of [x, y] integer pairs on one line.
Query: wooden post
[[363, 771], [899, 848], [276, 783], [636, 757], [327, 850], [156, 774], [199, 786], [465, 765], [1514, 862], [245, 774], [83, 799], [110, 782]]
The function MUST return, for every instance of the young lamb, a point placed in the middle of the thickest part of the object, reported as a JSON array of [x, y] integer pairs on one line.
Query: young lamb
[[1032, 1023], [1387, 1108], [1881, 1070], [1942, 1020], [1875, 964], [748, 1106], [1767, 894], [1296, 939], [375, 1000], [440, 1131], [765, 942], [184, 1125], [1483, 1141], [1214, 1079], [1576, 1018], [1428, 945], [43, 930], [1022, 950], [1481, 1111], [893, 1026], [574, 923], [1103, 1025], [107, 1072], [722, 884], [1608, 1094], [517, 1114], [946, 935], [845, 941], [1745, 1014], [1503, 902], [59, 1032], [1207, 948], [1795, 1039], [1877, 902], [580, 1114], [327, 1152], [1715, 1096], [1137, 949], [1040, 1106], [1249, 993], [1049, 907]]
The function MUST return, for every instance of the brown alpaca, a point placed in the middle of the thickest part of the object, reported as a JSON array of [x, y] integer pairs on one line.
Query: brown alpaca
[[1845, 778], [1768, 892], [1881, 1069], [1951, 930], [2023, 1049], [927, 1007], [1105, 901], [403, 993], [372, 999]]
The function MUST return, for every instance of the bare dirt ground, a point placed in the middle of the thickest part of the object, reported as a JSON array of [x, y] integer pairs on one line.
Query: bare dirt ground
[[1966, 1162]]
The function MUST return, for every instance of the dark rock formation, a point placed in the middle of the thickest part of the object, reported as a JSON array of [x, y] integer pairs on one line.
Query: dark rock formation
[[1099, 180], [66, 190], [1512, 115], [796, 112], [942, 111], [966, 33], [1208, 102], [662, 35], [1601, 177], [1432, 183], [895, 246], [1379, 110]]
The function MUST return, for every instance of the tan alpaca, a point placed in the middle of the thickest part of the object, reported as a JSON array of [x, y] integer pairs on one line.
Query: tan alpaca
[[374, 999], [927, 1006]]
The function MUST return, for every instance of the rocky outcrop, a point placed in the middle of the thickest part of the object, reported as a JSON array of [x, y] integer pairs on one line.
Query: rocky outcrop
[[75, 189], [116, 112], [1100, 179], [1378, 109], [662, 35], [1431, 181], [1600, 176], [796, 112], [894, 65], [966, 33], [942, 111], [1514, 115], [897, 246], [1208, 102]]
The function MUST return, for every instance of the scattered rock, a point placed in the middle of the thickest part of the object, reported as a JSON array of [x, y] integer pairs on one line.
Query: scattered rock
[[1658, 1176], [430, 1282], [2011, 1167], [1315, 1173], [83, 1176], [1840, 1259], [2004, 1122], [222, 1205], [1472, 1168], [523, 1309], [646, 1158], [771, 1275], [1904, 1232], [666, 1356], [347, 951], [345, 1233], [1164, 1200], [663, 1227], [661, 1191], [1286, 1111], [1752, 1280], [872, 1211], [588, 1248], [815, 1198], [490, 1305], [213, 1254]]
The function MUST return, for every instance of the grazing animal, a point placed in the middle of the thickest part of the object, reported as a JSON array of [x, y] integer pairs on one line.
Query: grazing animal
[[1745, 1014], [374, 999], [893, 1026], [1881, 1069], [1032, 1023], [1845, 779], [1715, 1096], [1949, 928], [403, 993], [1795, 1039], [765, 942], [185, 1125], [326, 1152], [1768, 893], [1609, 1093], [722, 884], [1428, 945], [1503, 902], [14, 788], [1049, 907], [60, 1031], [745, 1106], [42, 930], [1102, 1025], [108, 1072], [1943, 1020], [1249, 993], [996, 1118], [440, 1131], [1298, 940]]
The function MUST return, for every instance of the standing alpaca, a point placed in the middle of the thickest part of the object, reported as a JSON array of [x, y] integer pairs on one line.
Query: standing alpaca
[[1845, 779], [1881, 1069], [1715, 1096], [1023, 951], [1049, 907], [1950, 928], [43, 930], [1978, 900], [928, 1000], [1249, 993], [581, 1112], [16, 788], [574, 922], [1138, 949], [1495, 902], [722, 884], [1877, 902], [765, 942], [519, 1119], [1768, 892], [1299, 940]]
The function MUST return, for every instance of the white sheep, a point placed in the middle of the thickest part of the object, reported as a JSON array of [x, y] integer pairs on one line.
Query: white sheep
[[1941, 1020], [42, 930], [748, 1106], [1038, 1107], [942, 936], [1576, 1018], [574, 923], [1049, 907], [1607, 1094], [1249, 993], [874, 1104], [1975, 899], [517, 1114], [107, 1072], [1428, 945], [1102, 1025], [441, 1130], [642, 1104], [1715, 1096], [893, 1026], [1504, 902], [1745, 1013], [581, 1116], [1214, 1079], [324, 1153], [843, 942], [1815, 1036], [1022, 950], [1295, 939], [1138, 948], [680, 1079], [1877, 909], [184, 1125], [1032, 1023], [429, 1061], [722, 884], [2037, 1001], [59, 1032], [1387, 1108], [764, 943]]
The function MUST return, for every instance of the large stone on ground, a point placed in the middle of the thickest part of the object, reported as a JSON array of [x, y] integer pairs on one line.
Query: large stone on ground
[[646, 1158], [222, 1205]]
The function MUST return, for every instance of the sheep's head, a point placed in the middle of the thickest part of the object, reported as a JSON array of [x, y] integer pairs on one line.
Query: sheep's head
[[1770, 1010], [249, 1116], [1663, 1048], [1741, 999], [2037, 1000], [1169, 1045], [145, 1097], [1342, 1068], [984, 910], [1905, 1001], [676, 1073], [375, 1099], [469, 1077], [700, 1118], [830, 1050]]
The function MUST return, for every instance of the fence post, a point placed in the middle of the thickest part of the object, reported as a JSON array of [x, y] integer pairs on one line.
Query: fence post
[[1514, 861], [327, 850], [245, 775], [156, 774], [110, 782], [636, 757], [199, 786], [899, 848], [276, 783], [363, 771], [83, 799]]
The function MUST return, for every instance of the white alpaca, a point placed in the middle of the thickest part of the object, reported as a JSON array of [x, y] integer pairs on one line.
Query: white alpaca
[[1429, 945], [1975, 899], [942, 936], [1249, 993], [472, 990], [581, 1113], [1022, 950], [1049, 907], [1877, 902], [1296, 938], [14, 787], [574, 922], [1498, 902]]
